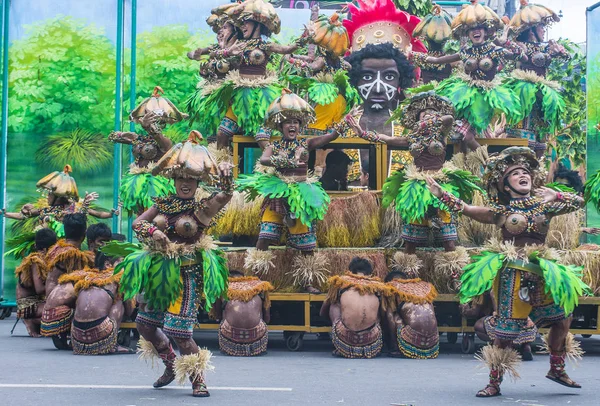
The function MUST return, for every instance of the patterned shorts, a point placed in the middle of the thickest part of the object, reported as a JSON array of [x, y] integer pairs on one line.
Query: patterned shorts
[[56, 320], [357, 344], [417, 345], [94, 338], [512, 311], [300, 237], [418, 233], [243, 342], [179, 319], [229, 125]]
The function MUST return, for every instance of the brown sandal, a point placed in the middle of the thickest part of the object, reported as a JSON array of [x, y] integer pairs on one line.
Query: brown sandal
[[199, 389], [563, 379], [489, 391]]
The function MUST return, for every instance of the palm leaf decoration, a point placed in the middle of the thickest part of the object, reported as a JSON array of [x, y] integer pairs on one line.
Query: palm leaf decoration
[[526, 92], [562, 282], [464, 183], [322, 93], [501, 98], [85, 151], [391, 187], [419, 8], [137, 191], [262, 184], [163, 284], [553, 107], [308, 201], [560, 187], [350, 93], [479, 275], [215, 274], [175, 134], [118, 249], [592, 190], [20, 246], [414, 201], [135, 270]]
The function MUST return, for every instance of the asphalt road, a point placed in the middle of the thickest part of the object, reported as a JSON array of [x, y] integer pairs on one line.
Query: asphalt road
[[34, 373]]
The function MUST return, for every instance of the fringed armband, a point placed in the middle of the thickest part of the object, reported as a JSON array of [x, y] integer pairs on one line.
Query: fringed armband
[[116, 136], [452, 202], [144, 230], [370, 136], [569, 201], [226, 184]]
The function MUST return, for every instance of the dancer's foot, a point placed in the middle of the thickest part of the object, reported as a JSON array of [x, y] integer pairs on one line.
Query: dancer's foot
[[526, 353], [489, 391], [166, 378], [199, 389], [563, 379]]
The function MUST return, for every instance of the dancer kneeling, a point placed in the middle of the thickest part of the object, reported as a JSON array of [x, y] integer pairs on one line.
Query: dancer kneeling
[[524, 274], [178, 266], [31, 280], [243, 329], [99, 309], [410, 317], [353, 304]]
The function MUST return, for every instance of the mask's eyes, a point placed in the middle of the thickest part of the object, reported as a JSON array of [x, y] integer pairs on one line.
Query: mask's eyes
[[367, 76], [389, 77]]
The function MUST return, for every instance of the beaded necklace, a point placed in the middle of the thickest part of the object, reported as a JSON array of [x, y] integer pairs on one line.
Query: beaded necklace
[[528, 207], [289, 147], [175, 205]]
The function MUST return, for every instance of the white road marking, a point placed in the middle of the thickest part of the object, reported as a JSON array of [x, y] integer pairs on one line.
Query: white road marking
[[92, 386]]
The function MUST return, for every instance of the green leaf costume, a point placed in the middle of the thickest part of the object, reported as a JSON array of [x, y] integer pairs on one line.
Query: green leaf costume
[[137, 190]]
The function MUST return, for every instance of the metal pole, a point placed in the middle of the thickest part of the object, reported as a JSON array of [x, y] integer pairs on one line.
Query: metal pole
[[118, 112], [4, 141], [132, 92]]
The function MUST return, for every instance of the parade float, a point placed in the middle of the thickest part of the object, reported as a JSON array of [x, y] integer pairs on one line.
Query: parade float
[[364, 71]]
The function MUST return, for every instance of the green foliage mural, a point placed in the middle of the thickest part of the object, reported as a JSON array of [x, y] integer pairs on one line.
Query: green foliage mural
[[62, 77], [571, 139]]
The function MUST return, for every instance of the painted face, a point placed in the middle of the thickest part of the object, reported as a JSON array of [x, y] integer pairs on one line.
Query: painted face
[[477, 35], [186, 187], [97, 243], [519, 180], [290, 128], [379, 82], [248, 30]]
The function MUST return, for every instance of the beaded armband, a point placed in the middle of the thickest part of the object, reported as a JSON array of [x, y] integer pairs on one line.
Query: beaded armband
[[370, 136], [226, 184], [452, 202], [85, 206], [263, 135], [569, 200], [341, 127], [116, 136], [418, 58], [144, 230], [279, 161]]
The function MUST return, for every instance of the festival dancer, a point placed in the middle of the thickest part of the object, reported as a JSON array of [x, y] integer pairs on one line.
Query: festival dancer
[[64, 257], [541, 101], [488, 97], [321, 77], [139, 186], [292, 198], [97, 235], [410, 317], [435, 29], [31, 282], [353, 305], [250, 85], [428, 119], [526, 278], [202, 108], [243, 329], [192, 269], [99, 309]]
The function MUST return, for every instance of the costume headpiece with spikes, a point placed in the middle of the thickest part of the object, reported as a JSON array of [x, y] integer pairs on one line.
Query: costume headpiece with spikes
[[60, 184], [531, 15], [378, 22], [188, 159]]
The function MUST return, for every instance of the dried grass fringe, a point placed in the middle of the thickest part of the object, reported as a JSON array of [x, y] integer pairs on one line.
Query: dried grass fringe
[[146, 352], [590, 260], [351, 222], [193, 365], [246, 295], [185, 251], [565, 231], [472, 233], [341, 282], [259, 262], [531, 76], [410, 264], [447, 263], [403, 296], [220, 155], [72, 258], [136, 170], [391, 228], [505, 360], [24, 269], [262, 81], [309, 270], [573, 351], [240, 218]]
